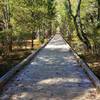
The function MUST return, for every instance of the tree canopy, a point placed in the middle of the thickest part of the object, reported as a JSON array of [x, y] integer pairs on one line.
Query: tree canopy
[[27, 18]]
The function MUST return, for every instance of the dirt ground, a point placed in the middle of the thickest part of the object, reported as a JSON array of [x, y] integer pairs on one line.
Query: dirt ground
[[92, 60], [94, 63], [13, 59]]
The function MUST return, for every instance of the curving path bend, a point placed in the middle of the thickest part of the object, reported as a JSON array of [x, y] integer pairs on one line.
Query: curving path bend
[[54, 74]]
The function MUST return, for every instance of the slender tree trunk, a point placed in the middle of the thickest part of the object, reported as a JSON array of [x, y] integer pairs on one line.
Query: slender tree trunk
[[32, 41], [82, 36], [77, 30], [50, 29], [6, 18], [10, 43], [98, 10], [33, 37], [85, 38]]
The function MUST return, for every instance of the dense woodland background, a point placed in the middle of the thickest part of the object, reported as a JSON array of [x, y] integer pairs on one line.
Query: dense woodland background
[[22, 21]]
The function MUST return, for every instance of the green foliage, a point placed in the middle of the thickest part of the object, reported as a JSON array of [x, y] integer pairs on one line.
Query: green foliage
[[23, 17], [89, 16]]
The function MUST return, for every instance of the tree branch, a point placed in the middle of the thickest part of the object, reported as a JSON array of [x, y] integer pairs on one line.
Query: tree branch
[[78, 8], [70, 8]]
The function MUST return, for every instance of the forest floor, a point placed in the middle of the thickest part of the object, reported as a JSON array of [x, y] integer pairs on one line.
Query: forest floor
[[94, 63], [15, 57], [92, 60]]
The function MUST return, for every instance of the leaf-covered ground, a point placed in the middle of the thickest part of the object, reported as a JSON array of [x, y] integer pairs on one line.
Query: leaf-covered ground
[[13, 59]]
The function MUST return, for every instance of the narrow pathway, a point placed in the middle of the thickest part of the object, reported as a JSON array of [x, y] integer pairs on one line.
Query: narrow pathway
[[54, 74]]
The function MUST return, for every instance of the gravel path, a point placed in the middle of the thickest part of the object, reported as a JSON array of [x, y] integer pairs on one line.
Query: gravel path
[[54, 74]]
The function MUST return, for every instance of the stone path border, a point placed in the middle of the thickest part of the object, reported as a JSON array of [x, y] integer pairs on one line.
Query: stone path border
[[4, 79], [86, 68]]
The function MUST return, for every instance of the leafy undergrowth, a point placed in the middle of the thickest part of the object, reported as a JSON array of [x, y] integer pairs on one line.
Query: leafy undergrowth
[[13, 59], [92, 60]]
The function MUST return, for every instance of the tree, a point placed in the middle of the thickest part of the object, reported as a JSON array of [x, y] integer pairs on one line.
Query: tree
[[51, 14], [78, 24], [98, 1]]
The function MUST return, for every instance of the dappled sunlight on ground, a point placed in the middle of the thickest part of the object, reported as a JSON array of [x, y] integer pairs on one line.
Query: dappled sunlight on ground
[[54, 74], [58, 81]]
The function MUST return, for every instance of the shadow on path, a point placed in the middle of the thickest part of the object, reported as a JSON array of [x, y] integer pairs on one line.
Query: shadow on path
[[53, 75]]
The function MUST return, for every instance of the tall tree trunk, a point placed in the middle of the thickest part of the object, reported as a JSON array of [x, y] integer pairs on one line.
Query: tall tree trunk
[[6, 18], [33, 37], [32, 41], [82, 36], [50, 29], [77, 30], [10, 42], [98, 10]]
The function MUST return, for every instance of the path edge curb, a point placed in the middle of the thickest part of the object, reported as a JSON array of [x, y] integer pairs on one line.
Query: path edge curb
[[86, 68], [5, 78]]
